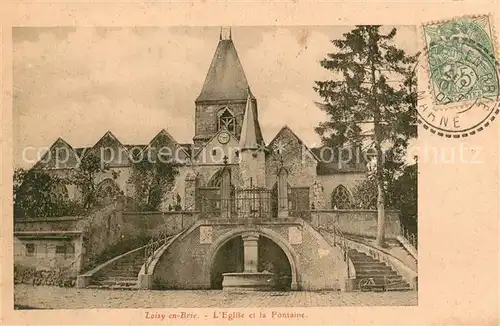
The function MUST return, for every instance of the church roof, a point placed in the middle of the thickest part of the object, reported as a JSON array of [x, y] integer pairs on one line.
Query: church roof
[[225, 79], [50, 160], [331, 164], [251, 135], [284, 129]]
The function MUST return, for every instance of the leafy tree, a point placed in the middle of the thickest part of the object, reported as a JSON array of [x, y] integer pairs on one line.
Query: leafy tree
[[84, 176], [153, 177], [401, 194], [40, 194], [373, 82]]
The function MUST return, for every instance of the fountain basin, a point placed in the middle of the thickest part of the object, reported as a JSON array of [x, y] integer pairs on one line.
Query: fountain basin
[[248, 281]]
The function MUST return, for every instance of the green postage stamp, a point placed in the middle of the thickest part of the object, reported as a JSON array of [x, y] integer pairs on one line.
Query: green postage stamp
[[462, 76], [462, 60]]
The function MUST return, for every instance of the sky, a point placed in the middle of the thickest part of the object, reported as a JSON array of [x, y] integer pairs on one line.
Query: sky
[[78, 83]]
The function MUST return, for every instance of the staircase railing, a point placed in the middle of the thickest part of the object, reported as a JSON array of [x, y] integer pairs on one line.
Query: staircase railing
[[339, 240], [410, 236], [161, 237]]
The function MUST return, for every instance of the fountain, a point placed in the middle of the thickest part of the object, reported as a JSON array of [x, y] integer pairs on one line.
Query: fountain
[[250, 279]]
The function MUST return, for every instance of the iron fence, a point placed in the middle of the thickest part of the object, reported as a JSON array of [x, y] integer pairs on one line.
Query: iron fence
[[251, 203], [410, 236]]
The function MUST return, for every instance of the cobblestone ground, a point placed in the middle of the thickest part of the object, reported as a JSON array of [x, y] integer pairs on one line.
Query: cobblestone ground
[[47, 297]]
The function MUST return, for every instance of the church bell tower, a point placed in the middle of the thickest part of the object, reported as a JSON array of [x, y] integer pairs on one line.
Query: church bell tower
[[223, 97]]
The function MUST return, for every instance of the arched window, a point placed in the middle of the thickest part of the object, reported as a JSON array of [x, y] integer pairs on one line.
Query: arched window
[[59, 193], [107, 190], [341, 198], [216, 180], [226, 120]]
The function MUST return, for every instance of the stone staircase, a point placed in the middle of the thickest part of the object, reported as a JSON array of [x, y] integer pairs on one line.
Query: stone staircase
[[384, 277], [123, 274]]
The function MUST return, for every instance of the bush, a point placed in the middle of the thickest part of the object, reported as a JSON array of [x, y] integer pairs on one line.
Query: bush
[[29, 275]]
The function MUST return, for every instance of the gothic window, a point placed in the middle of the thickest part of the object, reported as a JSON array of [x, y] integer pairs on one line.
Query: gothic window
[[107, 190], [216, 180], [59, 193], [341, 198], [226, 120]]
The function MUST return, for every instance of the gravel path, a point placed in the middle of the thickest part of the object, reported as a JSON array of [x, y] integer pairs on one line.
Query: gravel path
[[48, 297]]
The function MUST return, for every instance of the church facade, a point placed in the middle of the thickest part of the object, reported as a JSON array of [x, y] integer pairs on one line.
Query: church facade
[[228, 134], [248, 215]]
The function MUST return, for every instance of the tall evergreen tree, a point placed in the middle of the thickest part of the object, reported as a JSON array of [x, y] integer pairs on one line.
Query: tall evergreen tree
[[373, 81], [153, 176]]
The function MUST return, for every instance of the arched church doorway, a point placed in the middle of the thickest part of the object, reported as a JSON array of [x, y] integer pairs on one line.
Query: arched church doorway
[[229, 258]]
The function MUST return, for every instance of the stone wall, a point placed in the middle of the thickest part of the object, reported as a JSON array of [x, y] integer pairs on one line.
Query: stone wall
[[317, 196], [330, 182], [90, 235], [213, 152], [357, 222], [252, 169], [101, 229], [107, 228], [135, 223], [45, 257], [206, 172], [123, 176], [297, 160], [64, 223], [187, 262], [206, 118]]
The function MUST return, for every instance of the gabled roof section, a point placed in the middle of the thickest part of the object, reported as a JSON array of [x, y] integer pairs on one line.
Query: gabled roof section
[[115, 153], [226, 78], [163, 138], [251, 136], [331, 164], [211, 141], [60, 155], [286, 128]]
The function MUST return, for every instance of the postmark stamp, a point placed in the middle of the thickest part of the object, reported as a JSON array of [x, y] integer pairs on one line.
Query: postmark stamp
[[461, 77]]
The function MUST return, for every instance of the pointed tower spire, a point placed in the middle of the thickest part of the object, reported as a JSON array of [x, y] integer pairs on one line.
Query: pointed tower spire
[[225, 79], [248, 138], [230, 33]]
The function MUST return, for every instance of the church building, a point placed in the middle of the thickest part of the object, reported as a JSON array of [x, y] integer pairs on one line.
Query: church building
[[249, 215], [227, 134]]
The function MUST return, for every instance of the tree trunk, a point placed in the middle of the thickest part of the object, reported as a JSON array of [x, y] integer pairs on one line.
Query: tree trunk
[[380, 210], [380, 241]]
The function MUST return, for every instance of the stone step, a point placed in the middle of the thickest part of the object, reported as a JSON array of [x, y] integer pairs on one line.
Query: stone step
[[404, 287], [120, 278], [375, 271], [115, 282], [363, 259], [108, 287], [384, 268], [361, 273], [122, 273], [375, 267], [126, 267], [384, 276], [378, 276], [369, 265]]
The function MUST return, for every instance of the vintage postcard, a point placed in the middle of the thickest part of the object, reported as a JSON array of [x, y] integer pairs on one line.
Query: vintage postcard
[[331, 163]]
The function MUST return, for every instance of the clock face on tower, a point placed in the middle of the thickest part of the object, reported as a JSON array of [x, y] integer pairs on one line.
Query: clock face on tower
[[223, 138]]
